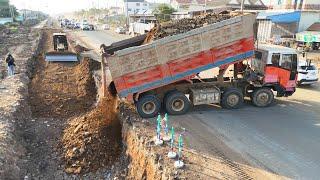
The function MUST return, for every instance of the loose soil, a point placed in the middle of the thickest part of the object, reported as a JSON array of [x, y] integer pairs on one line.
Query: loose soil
[[93, 140], [66, 127], [184, 25]]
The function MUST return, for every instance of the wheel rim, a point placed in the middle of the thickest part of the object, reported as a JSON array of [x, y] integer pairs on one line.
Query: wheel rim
[[233, 100], [177, 105], [148, 107], [263, 98]]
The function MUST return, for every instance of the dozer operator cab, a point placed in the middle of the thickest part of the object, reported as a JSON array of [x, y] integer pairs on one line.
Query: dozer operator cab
[[60, 42]]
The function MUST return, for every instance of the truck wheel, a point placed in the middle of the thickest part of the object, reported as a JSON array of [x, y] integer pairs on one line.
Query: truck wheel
[[262, 97], [148, 106], [176, 103], [232, 98]]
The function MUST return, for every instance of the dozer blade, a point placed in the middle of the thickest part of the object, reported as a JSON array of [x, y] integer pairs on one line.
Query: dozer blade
[[61, 57]]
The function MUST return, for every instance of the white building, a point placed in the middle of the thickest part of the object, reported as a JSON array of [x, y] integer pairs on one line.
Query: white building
[[132, 7], [287, 17]]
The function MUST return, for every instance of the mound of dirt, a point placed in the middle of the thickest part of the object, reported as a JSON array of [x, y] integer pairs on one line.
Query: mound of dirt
[[184, 25], [93, 140]]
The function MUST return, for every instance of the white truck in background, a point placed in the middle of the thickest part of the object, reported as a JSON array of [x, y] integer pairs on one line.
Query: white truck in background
[[139, 28]]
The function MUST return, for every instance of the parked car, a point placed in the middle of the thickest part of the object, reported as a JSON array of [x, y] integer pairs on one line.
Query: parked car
[[120, 30], [76, 26], [91, 27], [307, 73], [85, 26]]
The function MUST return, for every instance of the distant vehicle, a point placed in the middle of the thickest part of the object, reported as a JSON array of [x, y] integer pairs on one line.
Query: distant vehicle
[[64, 23], [91, 27], [84, 26], [106, 27], [307, 73], [76, 26], [120, 30], [70, 26]]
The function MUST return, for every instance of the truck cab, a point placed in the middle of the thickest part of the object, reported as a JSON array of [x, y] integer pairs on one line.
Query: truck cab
[[278, 66]]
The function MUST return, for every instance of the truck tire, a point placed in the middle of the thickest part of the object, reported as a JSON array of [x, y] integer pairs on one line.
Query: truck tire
[[148, 106], [232, 98], [176, 103], [262, 97]]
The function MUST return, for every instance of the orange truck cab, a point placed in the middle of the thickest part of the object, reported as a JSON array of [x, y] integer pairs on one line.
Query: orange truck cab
[[278, 66]]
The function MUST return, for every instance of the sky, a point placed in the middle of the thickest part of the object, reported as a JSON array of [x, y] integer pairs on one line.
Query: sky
[[61, 6]]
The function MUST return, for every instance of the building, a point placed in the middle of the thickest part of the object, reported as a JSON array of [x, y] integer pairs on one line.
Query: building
[[311, 36], [287, 18], [7, 15], [295, 4], [196, 11], [310, 11], [115, 10], [180, 4], [248, 4], [132, 7]]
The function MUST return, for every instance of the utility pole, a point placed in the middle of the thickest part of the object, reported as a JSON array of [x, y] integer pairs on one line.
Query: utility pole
[[242, 6], [127, 11], [205, 6]]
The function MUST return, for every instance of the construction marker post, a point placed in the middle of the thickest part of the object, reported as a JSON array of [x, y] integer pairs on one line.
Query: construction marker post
[[166, 136], [171, 153], [158, 140], [179, 163]]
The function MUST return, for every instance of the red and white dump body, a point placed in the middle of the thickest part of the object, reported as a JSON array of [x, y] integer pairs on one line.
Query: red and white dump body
[[161, 74]]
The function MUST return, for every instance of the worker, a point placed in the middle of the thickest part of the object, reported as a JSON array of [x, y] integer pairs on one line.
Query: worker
[[11, 64]]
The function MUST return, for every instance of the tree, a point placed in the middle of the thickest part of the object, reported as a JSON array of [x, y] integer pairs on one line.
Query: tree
[[163, 12]]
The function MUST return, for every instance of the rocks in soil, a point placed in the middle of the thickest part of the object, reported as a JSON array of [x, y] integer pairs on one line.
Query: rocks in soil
[[184, 25], [93, 140]]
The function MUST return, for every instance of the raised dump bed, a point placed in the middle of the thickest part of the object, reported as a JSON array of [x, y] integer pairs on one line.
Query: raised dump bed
[[164, 61]]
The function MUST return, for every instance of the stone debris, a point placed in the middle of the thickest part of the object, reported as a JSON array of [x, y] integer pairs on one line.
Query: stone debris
[[184, 25]]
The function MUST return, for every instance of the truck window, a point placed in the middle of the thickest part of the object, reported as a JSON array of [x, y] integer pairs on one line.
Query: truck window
[[275, 59], [289, 61], [311, 67]]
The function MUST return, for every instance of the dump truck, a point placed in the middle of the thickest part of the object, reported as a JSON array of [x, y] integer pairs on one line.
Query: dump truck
[[60, 51], [164, 74]]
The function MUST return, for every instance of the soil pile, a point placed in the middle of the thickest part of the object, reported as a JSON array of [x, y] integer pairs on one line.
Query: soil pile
[[93, 140], [184, 25]]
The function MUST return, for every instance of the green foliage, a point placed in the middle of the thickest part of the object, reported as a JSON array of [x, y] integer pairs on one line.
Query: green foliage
[[163, 12], [115, 21], [86, 14]]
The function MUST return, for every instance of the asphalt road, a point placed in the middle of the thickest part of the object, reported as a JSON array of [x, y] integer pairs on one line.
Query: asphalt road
[[283, 138], [94, 39]]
